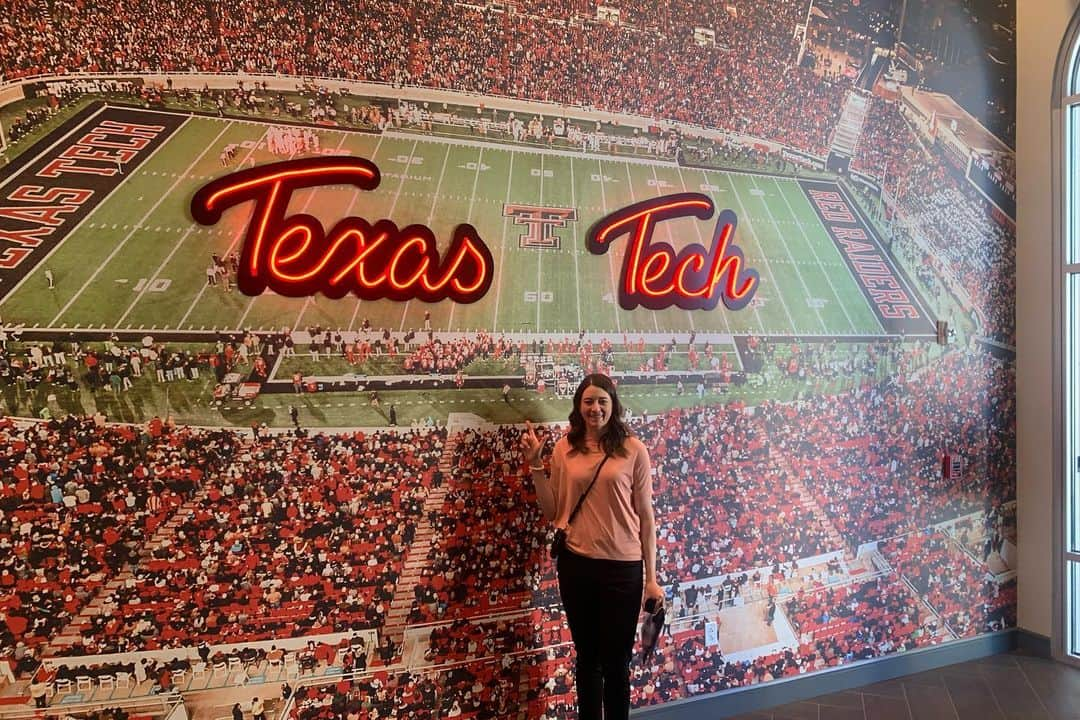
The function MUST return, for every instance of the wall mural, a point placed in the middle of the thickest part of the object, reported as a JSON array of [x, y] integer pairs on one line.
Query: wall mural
[[280, 282]]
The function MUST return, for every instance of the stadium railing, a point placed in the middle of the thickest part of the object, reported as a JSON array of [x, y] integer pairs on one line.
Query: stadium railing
[[150, 707]]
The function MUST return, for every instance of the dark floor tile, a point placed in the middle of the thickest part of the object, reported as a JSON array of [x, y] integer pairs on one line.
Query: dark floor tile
[[848, 699], [999, 660], [1013, 693], [1057, 685], [930, 677], [1046, 666], [796, 711], [884, 708], [829, 712], [972, 698], [965, 669], [999, 687], [889, 688], [929, 702]]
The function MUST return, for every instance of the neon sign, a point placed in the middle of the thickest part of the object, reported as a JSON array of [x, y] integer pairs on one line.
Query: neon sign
[[293, 255], [655, 276]]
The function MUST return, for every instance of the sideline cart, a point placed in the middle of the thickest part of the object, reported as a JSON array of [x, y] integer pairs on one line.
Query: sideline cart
[[233, 392]]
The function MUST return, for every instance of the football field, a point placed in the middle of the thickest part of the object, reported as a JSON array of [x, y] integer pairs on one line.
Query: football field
[[138, 260]]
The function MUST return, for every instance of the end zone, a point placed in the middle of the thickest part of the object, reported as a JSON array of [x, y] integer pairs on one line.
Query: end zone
[[69, 174], [892, 297]]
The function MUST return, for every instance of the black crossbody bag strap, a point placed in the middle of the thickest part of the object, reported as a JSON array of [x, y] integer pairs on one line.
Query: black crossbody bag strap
[[582, 498]]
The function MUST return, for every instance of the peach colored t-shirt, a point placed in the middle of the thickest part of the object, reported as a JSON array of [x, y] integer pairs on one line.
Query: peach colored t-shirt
[[608, 526]]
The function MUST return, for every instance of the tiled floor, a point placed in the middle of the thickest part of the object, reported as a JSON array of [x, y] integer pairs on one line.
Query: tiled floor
[[999, 687]]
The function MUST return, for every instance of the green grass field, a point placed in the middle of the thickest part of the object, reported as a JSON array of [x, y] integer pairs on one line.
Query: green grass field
[[139, 261]]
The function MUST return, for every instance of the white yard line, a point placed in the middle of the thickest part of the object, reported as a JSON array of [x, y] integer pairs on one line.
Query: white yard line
[[150, 281], [239, 234], [630, 184], [828, 277], [757, 310], [794, 264], [468, 219], [577, 244], [307, 203], [611, 262], [768, 267], [430, 217], [701, 239], [165, 262], [137, 226], [374, 156], [502, 249], [671, 238], [539, 255]]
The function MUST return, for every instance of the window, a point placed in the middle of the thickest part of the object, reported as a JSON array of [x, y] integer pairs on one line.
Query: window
[[1066, 111]]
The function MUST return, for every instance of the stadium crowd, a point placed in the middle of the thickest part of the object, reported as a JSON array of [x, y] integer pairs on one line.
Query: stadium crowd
[[872, 455], [880, 613], [742, 517], [837, 625], [465, 639], [953, 583], [78, 499], [487, 553], [978, 251], [486, 689], [885, 140], [289, 535], [960, 231], [743, 80]]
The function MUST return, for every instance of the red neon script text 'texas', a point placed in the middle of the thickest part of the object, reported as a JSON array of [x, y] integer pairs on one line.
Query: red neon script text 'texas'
[[293, 255]]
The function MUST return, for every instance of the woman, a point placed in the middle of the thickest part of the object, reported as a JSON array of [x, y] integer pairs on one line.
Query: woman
[[610, 551]]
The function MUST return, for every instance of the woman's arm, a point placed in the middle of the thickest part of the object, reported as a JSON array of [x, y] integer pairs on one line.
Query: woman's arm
[[545, 490], [643, 503], [545, 485], [648, 543]]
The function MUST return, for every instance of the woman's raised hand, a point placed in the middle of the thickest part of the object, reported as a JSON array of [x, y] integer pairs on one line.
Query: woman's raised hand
[[530, 444]]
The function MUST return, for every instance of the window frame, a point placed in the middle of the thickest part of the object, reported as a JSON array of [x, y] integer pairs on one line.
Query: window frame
[[1065, 196]]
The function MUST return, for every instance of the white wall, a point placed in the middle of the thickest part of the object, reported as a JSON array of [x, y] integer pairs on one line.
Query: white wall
[[1040, 28]]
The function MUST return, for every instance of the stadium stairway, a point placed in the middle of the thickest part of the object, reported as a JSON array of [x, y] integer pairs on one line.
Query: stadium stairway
[[416, 556], [850, 126], [794, 484], [72, 633], [525, 683]]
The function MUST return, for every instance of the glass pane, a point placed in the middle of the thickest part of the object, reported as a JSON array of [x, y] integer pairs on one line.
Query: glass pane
[[1072, 186], [1072, 411], [1072, 82], [1072, 603], [1074, 78]]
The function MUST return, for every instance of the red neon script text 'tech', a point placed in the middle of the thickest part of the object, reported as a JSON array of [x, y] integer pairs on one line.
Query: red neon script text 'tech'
[[655, 276]]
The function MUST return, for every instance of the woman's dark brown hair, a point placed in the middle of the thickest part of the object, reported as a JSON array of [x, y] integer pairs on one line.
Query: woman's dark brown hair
[[616, 430]]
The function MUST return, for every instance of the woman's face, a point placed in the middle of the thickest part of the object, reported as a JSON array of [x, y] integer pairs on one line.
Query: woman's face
[[595, 408]]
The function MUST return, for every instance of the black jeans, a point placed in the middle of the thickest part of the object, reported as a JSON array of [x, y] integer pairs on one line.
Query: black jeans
[[602, 599]]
